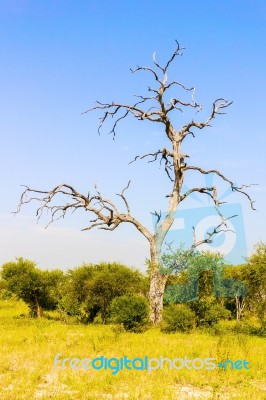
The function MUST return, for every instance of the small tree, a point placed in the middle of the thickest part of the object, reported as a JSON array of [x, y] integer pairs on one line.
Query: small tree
[[156, 108], [32, 285], [236, 288], [178, 317], [256, 278], [130, 310], [73, 293], [253, 275], [89, 290], [197, 275], [110, 281]]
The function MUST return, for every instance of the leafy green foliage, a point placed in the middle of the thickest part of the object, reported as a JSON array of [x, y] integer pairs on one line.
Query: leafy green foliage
[[130, 310], [176, 262], [200, 284], [89, 290], [204, 276], [253, 276], [73, 293], [214, 313], [209, 312], [4, 292], [110, 281], [35, 287], [256, 279], [201, 280], [178, 317], [262, 330]]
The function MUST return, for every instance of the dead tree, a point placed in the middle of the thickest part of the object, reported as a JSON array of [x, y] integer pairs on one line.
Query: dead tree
[[153, 107]]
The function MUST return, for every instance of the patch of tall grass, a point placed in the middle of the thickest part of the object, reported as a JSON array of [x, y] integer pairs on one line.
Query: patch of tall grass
[[28, 347]]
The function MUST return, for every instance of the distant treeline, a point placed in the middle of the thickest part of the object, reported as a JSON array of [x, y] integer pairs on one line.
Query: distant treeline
[[202, 293]]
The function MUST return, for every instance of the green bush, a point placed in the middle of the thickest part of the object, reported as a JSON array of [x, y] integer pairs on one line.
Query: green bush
[[178, 317], [249, 328], [245, 327], [37, 288], [215, 313], [209, 312], [131, 311], [262, 329]]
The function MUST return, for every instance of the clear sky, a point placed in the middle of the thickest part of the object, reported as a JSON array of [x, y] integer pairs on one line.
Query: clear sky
[[59, 56]]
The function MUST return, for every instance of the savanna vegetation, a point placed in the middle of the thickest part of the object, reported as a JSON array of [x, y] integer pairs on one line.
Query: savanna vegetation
[[202, 290], [29, 345], [211, 310]]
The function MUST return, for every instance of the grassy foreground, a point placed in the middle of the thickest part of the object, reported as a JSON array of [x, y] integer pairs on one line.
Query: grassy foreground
[[28, 348]]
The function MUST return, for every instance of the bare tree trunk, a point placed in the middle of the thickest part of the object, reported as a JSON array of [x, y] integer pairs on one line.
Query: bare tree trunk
[[240, 305], [157, 287], [38, 307]]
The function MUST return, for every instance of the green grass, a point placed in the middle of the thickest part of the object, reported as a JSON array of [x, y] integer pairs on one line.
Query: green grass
[[28, 348]]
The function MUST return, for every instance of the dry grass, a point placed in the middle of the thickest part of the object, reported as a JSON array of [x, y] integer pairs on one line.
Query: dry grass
[[28, 348]]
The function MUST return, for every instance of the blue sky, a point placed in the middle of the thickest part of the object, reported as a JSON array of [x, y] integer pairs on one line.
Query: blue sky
[[58, 57]]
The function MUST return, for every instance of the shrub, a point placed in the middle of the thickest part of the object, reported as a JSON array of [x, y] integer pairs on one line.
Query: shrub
[[209, 312], [262, 329], [178, 317], [245, 327], [215, 313], [251, 328], [37, 288], [131, 311]]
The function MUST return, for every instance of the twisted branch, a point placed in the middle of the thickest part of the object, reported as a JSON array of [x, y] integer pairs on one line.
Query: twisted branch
[[214, 232], [234, 188], [107, 215]]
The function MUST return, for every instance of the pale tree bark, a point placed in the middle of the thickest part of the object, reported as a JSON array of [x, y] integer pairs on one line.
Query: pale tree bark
[[36, 310], [38, 307], [106, 214], [240, 305]]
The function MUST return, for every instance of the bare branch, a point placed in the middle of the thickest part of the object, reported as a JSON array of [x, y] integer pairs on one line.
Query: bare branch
[[113, 109], [123, 197], [154, 113], [145, 98], [162, 69], [177, 52], [107, 215], [174, 102], [180, 85], [212, 193], [223, 177], [211, 234], [165, 153], [218, 105], [205, 190], [157, 215]]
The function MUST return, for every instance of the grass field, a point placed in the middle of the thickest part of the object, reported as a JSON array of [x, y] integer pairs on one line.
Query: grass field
[[28, 348]]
